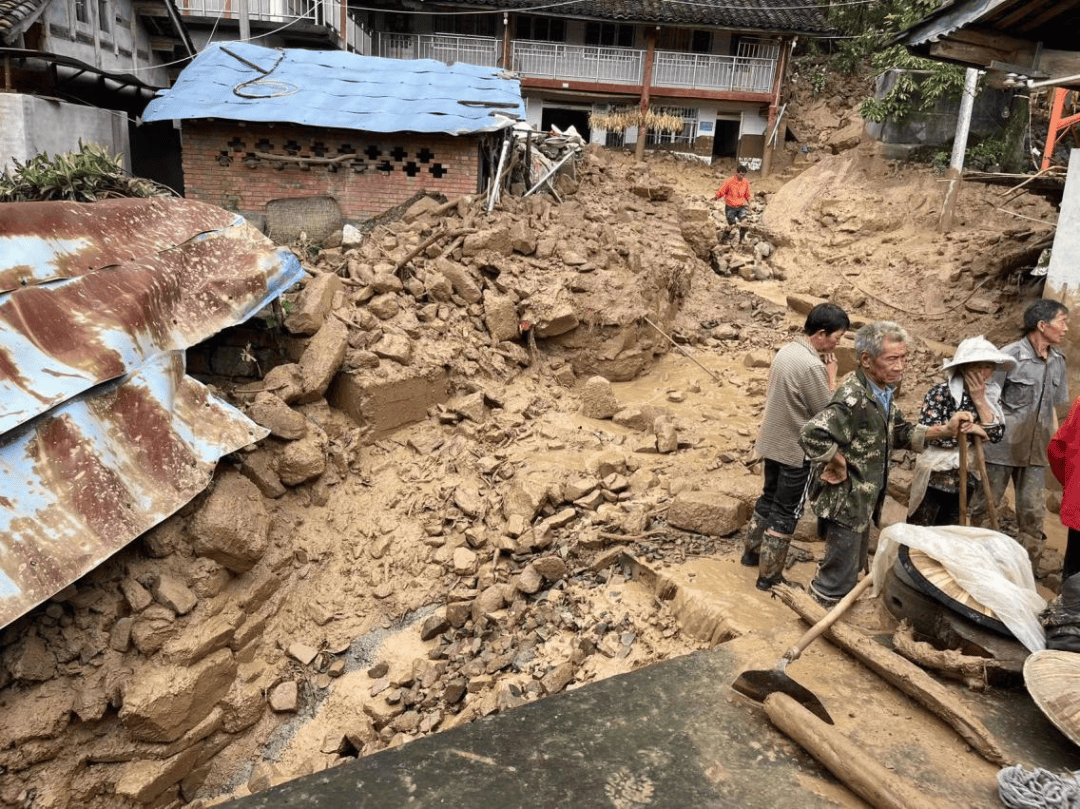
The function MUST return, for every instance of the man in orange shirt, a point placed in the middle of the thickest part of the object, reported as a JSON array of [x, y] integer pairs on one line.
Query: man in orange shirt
[[736, 195]]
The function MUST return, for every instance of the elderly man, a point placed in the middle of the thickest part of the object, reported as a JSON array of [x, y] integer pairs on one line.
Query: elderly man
[[801, 381], [853, 437], [1029, 392]]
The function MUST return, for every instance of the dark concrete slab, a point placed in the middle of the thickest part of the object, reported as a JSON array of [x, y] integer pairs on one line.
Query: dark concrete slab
[[664, 736]]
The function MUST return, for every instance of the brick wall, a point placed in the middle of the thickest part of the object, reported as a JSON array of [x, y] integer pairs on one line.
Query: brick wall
[[221, 166]]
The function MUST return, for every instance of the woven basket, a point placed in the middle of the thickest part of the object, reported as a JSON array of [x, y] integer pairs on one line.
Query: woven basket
[[1052, 678]]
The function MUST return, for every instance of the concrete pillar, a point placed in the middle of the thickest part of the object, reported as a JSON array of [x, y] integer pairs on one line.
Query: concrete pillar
[[1063, 275], [956, 165]]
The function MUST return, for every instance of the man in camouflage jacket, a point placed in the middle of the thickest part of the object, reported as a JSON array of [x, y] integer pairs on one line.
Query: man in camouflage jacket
[[852, 440]]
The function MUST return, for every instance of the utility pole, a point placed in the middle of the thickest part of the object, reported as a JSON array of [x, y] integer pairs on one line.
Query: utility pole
[[956, 165], [245, 23]]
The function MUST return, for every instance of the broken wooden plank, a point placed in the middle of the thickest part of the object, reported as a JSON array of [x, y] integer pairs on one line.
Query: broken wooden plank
[[901, 673]]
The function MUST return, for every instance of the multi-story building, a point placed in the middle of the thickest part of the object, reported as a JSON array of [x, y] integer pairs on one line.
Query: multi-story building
[[716, 64]]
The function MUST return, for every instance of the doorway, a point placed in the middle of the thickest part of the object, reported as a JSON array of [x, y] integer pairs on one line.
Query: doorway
[[564, 118], [726, 139]]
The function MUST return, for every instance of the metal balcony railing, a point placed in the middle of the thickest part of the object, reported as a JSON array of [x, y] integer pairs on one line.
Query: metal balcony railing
[[704, 72], [554, 60], [446, 48], [317, 12]]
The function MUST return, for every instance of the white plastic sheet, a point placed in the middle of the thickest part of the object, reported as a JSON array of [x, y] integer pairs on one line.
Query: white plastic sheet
[[993, 567]]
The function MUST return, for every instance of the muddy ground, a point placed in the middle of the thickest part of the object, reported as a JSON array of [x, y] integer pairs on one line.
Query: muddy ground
[[344, 588]]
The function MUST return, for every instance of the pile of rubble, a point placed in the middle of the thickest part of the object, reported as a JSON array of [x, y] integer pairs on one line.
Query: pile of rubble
[[148, 681]]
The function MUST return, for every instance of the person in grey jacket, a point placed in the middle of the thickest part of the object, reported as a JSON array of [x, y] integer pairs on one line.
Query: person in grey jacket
[[801, 380], [1029, 393]]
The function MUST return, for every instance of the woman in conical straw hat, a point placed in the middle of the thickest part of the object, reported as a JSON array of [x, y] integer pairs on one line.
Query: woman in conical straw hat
[[935, 487]]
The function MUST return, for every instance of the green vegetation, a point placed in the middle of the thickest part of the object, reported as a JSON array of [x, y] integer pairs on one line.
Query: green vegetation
[[867, 29], [84, 176]]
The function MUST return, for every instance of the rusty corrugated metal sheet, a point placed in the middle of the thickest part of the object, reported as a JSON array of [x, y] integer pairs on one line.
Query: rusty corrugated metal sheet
[[102, 435]]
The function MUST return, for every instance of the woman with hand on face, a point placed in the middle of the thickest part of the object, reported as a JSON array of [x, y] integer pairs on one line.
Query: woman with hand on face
[[969, 390]]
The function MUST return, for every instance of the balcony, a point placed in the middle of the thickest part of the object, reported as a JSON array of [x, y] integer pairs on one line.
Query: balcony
[[484, 51], [724, 73], [587, 63], [554, 60], [321, 13]]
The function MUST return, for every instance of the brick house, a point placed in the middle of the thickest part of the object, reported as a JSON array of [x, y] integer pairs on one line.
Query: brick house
[[260, 125]]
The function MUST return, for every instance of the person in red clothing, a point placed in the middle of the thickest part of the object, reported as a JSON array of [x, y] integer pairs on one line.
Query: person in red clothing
[[736, 195], [1064, 456]]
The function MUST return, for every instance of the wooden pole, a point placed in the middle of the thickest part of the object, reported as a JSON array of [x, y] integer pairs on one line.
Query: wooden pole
[[961, 444], [980, 462], [901, 673], [856, 768]]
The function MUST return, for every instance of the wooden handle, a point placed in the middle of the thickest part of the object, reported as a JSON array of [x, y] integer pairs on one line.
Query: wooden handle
[[830, 618], [980, 461], [961, 443]]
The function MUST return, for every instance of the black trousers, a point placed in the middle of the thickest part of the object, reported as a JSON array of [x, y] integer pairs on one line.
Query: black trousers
[[781, 502]]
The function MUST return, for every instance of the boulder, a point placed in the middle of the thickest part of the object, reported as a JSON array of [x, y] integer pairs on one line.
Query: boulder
[[300, 461], [707, 513], [500, 316], [314, 304], [321, 359], [598, 399], [271, 412], [232, 526]]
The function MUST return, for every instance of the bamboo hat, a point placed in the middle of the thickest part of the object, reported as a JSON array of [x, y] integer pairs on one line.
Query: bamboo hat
[[1051, 677], [933, 579], [979, 349]]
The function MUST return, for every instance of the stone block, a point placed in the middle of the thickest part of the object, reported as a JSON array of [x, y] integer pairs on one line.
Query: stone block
[[707, 513]]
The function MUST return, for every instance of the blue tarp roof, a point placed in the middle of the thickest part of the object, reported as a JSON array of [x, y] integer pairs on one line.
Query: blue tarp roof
[[243, 82]]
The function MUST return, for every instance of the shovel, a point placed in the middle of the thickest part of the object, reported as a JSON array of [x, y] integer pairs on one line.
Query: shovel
[[759, 683]]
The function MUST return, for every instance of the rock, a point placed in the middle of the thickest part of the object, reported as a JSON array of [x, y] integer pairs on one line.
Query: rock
[[490, 600], [460, 278], [164, 702], [284, 381], [558, 678], [120, 634], [284, 697], [578, 487], [707, 513], [351, 237], [30, 660], [598, 399], [385, 306], [465, 562], [143, 781], [524, 499], [314, 304], [471, 406], [396, 347], [202, 638], [523, 239], [422, 206], [258, 467], [497, 240], [698, 230], [137, 596], [152, 628], [434, 625], [847, 137], [281, 420], [300, 461], [641, 418], [500, 316], [458, 613], [321, 359], [551, 568], [438, 286], [758, 358], [303, 653], [559, 319], [667, 434], [40, 712], [529, 580], [232, 526], [171, 592], [467, 498]]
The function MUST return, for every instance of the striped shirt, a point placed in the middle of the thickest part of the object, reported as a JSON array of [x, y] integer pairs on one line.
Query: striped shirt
[[798, 389]]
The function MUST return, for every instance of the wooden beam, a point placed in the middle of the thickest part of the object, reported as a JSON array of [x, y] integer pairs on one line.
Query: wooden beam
[[1059, 63], [973, 55], [150, 10]]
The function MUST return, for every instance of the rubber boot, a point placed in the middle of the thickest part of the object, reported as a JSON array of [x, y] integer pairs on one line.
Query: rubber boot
[[755, 529], [773, 557]]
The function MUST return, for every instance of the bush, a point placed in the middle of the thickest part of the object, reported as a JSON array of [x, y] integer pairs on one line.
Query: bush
[[84, 176]]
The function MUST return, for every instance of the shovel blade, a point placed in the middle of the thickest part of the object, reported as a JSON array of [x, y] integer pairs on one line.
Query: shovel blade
[[760, 683]]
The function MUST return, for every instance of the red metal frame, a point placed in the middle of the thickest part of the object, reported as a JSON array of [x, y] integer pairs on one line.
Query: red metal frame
[[1057, 124]]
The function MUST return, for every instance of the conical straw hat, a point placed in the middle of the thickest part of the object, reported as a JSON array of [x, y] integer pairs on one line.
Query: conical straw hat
[[935, 573], [1052, 678]]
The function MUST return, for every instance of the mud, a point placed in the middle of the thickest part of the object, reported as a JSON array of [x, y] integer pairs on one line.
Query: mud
[[439, 522]]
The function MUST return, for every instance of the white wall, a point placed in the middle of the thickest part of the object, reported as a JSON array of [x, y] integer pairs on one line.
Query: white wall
[[32, 125]]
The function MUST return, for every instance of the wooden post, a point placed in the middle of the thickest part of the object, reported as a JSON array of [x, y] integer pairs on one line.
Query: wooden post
[[507, 60], [956, 165], [646, 84], [855, 768], [774, 104]]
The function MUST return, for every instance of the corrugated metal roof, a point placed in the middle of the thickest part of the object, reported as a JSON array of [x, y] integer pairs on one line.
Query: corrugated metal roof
[[244, 82], [102, 435]]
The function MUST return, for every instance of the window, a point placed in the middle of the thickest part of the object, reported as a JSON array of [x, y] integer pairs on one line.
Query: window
[[81, 13], [609, 34], [687, 40], [103, 15], [399, 23], [689, 131], [541, 29], [479, 25]]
